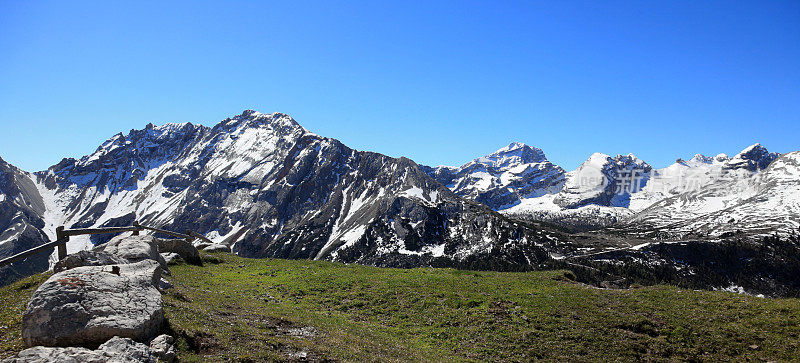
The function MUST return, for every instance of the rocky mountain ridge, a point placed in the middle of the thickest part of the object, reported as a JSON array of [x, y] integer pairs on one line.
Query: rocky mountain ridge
[[266, 187], [627, 193]]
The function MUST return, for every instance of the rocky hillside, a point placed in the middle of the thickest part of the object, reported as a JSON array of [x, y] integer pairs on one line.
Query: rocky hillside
[[21, 223]]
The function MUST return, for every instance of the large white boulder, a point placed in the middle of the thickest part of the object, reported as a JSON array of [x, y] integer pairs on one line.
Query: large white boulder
[[162, 348], [86, 306]]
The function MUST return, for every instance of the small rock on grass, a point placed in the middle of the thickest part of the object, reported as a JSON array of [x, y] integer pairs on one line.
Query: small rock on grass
[[217, 248]]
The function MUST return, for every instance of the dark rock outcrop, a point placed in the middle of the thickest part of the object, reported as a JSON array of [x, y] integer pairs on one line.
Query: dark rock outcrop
[[184, 249]]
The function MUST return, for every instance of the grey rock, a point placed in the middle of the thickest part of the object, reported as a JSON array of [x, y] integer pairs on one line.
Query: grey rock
[[87, 258], [115, 349], [127, 349], [217, 248], [163, 284], [171, 258], [88, 305], [162, 348], [202, 245], [185, 249], [134, 249]]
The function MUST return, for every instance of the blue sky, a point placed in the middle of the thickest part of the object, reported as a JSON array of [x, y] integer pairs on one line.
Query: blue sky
[[439, 82]]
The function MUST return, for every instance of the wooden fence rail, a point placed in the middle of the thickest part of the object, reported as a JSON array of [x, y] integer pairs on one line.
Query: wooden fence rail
[[62, 237]]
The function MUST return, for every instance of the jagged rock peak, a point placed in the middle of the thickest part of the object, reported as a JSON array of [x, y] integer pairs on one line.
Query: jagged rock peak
[[252, 118], [754, 157], [721, 157], [513, 154], [629, 159], [700, 158], [753, 152]]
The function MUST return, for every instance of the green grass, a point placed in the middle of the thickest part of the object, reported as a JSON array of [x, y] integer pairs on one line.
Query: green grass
[[13, 299], [267, 309]]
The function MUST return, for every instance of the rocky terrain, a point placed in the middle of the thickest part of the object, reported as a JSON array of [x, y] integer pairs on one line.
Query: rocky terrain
[[107, 298], [503, 178]]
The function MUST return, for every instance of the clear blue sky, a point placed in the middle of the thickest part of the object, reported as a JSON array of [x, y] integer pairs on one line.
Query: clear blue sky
[[439, 82]]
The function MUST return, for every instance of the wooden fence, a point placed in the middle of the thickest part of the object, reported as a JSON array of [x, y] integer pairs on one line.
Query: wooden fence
[[62, 237]]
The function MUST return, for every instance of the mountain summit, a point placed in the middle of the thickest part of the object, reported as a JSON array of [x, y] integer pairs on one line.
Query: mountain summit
[[502, 178]]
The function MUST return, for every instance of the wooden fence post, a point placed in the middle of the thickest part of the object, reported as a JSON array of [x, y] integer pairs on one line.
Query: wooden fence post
[[62, 247], [189, 237], [136, 231]]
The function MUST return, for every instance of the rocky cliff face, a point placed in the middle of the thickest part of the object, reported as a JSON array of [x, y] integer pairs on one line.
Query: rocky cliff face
[[21, 223]]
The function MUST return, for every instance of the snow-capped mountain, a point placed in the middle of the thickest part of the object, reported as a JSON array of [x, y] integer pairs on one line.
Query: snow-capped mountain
[[703, 195], [678, 178], [755, 192], [503, 178], [594, 195], [267, 187], [605, 181], [264, 185]]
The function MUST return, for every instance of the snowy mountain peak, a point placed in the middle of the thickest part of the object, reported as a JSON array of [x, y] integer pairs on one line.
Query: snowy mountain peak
[[250, 113], [514, 154], [698, 160], [701, 159], [721, 158], [752, 158], [279, 122], [504, 177], [597, 160], [629, 159]]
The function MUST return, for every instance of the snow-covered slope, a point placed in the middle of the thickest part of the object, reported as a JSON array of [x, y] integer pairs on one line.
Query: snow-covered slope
[[755, 192], [604, 181], [626, 191], [503, 178], [678, 178], [594, 195]]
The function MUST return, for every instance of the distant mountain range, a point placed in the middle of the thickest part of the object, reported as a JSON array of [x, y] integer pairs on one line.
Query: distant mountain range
[[754, 192], [267, 187]]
